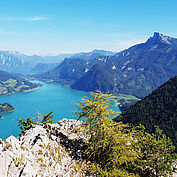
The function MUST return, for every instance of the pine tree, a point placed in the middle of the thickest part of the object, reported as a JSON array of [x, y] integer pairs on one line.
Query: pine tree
[[29, 123]]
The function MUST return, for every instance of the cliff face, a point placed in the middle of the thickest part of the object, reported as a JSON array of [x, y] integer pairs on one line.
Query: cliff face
[[45, 150]]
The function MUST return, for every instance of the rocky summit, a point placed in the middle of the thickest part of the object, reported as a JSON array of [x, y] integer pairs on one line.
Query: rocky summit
[[45, 150]]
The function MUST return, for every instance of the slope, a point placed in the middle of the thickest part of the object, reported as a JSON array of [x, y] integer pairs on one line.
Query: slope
[[158, 108]]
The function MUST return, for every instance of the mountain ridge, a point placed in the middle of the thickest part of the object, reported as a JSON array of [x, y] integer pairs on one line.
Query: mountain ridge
[[137, 70]]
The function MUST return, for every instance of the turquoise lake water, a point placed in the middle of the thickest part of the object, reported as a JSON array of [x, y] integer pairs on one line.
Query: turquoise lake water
[[49, 97]]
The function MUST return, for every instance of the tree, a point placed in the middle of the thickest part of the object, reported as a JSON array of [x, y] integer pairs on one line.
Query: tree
[[48, 118], [29, 123], [117, 149], [25, 125], [111, 145]]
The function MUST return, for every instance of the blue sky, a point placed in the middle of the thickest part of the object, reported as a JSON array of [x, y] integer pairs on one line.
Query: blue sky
[[67, 26]]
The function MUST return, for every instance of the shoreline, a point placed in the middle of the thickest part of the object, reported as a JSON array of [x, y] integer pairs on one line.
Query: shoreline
[[7, 111], [30, 90], [25, 91]]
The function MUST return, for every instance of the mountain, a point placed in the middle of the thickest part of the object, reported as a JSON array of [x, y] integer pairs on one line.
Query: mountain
[[72, 68], [16, 62], [10, 84], [43, 67], [158, 108], [98, 77], [13, 62], [141, 68], [36, 59], [93, 54], [135, 71], [69, 71]]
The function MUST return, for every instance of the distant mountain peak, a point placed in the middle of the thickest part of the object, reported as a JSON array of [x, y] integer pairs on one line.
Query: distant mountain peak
[[159, 38], [157, 34], [98, 51], [163, 38]]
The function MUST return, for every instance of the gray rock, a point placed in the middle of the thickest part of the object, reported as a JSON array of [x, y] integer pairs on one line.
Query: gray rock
[[45, 150]]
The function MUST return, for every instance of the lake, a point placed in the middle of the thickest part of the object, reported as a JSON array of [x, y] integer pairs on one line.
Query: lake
[[49, 97]]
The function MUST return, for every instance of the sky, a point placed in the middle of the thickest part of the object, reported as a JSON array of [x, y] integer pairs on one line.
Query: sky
[[50, 27]]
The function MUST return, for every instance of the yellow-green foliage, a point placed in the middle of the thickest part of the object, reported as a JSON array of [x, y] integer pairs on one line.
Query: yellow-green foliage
[[158, 154], [27, 124], [95, 108], [118, 150], [111, 145]]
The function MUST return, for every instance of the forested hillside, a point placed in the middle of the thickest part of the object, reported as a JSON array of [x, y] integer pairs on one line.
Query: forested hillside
[[158, 108], [10, 84], [136, 71]]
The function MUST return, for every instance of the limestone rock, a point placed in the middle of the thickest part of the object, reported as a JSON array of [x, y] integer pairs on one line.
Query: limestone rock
[[45, 150]]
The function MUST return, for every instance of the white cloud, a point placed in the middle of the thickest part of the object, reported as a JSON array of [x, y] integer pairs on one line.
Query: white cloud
[[32, 19], [36, 19]]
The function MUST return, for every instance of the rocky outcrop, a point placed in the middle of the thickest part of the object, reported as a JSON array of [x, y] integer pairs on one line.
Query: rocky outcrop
[[45, 150]]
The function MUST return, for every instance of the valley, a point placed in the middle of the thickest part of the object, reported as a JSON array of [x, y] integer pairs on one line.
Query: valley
[[88, 88], [135, 71], [136, 77], [49, 97]]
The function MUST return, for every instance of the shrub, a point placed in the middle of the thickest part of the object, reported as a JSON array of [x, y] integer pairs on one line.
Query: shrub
[[27, 124]]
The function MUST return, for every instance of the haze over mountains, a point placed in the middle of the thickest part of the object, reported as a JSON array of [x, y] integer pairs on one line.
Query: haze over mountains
[[136, 71], [19, 63], [93, 54]]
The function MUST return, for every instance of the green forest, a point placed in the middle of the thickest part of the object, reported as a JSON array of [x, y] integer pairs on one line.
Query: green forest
[[158, 108]]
